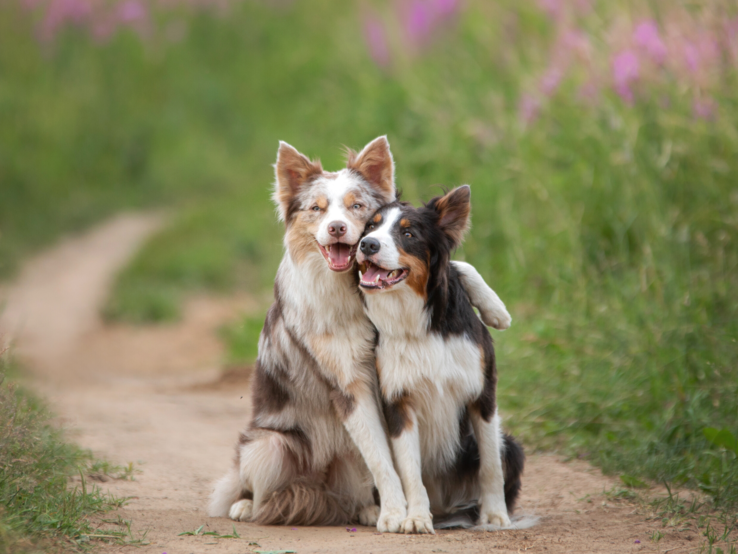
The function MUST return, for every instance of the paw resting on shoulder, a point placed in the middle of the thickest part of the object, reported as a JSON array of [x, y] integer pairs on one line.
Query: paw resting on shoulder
[[496, 315]]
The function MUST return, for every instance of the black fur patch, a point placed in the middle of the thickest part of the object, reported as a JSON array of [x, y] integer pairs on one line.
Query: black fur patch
[[397, 414], [269, 395], [512, 465], [467, 464], [299, 447], [487, 402], [273, 315], [293, 207], [343, 402]]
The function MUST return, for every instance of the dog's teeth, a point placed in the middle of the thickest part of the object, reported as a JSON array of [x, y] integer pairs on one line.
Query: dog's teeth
[[328, 248], [361, 276]]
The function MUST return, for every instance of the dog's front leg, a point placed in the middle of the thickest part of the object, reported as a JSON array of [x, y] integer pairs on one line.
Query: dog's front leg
[[406, 445], [491, 478], [360, 414]]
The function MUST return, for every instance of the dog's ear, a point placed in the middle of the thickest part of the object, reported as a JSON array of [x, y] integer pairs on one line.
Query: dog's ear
[[453, 213], [292, 171], [376, 166]]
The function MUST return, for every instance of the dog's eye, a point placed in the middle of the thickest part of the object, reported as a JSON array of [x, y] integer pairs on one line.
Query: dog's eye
[[356, 206], [408, 234], [315, 208], [371, 226]]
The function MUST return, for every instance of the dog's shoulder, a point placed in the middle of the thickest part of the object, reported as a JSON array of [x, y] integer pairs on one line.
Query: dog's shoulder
[[459, 318]]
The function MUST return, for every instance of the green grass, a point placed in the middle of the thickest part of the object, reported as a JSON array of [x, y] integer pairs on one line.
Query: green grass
[[40, 508], [611, 231]]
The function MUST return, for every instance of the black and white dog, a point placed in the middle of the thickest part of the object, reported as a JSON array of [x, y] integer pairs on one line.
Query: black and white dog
[[436, 366]]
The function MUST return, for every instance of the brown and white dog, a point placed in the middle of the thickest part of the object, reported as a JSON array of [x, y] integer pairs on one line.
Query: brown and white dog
[[316, 445], [436, 366]]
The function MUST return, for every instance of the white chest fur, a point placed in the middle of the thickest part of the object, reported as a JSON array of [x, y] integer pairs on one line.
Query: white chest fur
[[441, 375], [326, 310]]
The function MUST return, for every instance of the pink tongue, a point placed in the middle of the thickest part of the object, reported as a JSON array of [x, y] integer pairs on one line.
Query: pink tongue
[[372, 271], [339, 254]]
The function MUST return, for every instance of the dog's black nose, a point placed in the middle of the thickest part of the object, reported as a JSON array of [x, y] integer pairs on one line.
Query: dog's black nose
[[369, 246]]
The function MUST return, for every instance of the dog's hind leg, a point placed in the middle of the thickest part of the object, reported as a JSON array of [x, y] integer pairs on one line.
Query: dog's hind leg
[[228, 491], [349, 478], [263, 466]]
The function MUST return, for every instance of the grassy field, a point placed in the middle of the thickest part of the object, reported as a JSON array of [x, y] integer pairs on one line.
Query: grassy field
[[40, 511], [602, 159]]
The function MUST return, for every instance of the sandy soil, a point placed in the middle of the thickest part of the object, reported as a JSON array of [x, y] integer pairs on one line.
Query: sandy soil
[[152, 396]]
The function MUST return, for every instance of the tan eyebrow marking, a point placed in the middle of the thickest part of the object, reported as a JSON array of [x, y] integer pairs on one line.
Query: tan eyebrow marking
[[404, 223], [322, 202], [349, 200], [377, 218]]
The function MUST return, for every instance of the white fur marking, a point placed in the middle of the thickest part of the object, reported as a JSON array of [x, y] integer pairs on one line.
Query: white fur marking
[[407, 453], [242, 510], [365, 428], [336, 190], [492, 481], [388, 256]]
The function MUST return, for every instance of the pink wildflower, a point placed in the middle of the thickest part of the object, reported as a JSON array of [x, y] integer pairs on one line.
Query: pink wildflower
[[692, 56], [625, 71], [704, 108], [589, 91], [131, 11], [647, 37], [61, 12], [528, 108], [447, 8], [731, 38], [551, 80], [376, 40], [418, 21], [553, 8], [421, 18]]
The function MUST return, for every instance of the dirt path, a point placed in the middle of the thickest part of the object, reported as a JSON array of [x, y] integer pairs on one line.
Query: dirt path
[[141, 395]]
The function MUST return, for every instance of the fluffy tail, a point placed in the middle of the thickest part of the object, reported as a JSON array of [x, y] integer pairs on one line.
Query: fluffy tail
[[227, 491], [512, 465], [305, 502]]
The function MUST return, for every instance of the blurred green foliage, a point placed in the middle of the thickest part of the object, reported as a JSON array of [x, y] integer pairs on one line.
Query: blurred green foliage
[[610, 230]]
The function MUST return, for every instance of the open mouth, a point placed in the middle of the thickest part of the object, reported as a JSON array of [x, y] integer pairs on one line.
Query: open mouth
[[339, 256], [372, 276]]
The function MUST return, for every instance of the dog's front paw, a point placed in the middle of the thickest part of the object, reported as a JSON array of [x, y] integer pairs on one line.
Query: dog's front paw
[[497, 317], [494, 515], [421, 523], [242, 510], [390, 520], [369, 515]]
